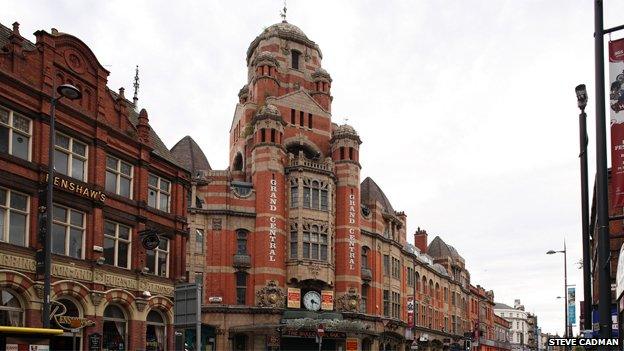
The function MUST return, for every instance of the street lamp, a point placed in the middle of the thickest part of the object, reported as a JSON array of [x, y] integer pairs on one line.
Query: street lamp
[[581, 98], [565, 282], [72, 93]]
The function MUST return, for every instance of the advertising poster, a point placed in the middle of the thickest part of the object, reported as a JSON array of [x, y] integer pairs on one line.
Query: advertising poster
[[616, 109], [294, 298], [572, 305], [327, 300]]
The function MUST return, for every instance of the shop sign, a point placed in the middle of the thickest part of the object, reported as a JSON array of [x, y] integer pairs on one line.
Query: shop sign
[[272, 220], [327, 300], [83, 190], [95, 342], [68, 322], [352, 214], [312, 334], [352, 344], [294, 298]]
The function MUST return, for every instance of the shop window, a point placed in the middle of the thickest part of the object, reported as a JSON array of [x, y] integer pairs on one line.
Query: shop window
[[11, 310], [65, 341], [118, 177], [241, 288], [155, 332], [117, 241], [199, 241], [70, 157], [15, 133], [241, 242], [114, 329], [159, 193], [68, 231], [240, 342], [13, 217], [158, 259], [294, 54]]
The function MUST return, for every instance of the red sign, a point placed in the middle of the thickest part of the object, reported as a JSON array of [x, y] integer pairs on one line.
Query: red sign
[[321, 330], [410, 311], [352, 344], [616, 104]]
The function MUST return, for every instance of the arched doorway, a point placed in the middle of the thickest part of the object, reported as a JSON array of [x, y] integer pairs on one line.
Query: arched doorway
[[68, 339], [155, 332], [11, 309], [115, 329]]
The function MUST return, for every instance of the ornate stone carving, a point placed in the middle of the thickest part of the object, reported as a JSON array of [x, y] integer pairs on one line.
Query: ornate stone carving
[[216, 224], [349, 301], [271, 296], [140, 304], [314, 270], [39, 290], [96, 297]]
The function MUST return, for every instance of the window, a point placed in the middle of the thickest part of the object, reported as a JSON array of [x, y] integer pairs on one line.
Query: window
[[452, 298], [158, 193], [14, 134], [293, 241], [240, 342], [424, 285], [114, 329], [70, 157], [416, 281], [68, 230], [386, 264], [11, 311], [445, 294], [342, 152], [241, 287], [158, 259], [119, 177], [199, 278], [310, 120], [386, 303], [350, 153], [294, 193], [364, 298], [155, 332], [315, 195], [301, 118], [295, 59], [13, 217], [117, 239], [430, 316], [396, 305], [241, 242], [199, 241], [396, 268], [416, 313], [364, 259], [292, 116], [315, 243], [410, 276]]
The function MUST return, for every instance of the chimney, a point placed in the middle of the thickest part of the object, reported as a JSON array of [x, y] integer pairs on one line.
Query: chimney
[[16, 28], [420, 240], [143, 127]]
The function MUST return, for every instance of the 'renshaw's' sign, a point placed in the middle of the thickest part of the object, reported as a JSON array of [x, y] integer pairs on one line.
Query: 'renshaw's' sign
[[78, 188]]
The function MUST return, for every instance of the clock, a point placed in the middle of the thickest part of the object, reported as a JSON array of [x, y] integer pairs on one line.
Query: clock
[[312, 301]]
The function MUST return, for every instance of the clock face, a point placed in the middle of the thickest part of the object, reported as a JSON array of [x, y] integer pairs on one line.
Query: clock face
[[312, 301]]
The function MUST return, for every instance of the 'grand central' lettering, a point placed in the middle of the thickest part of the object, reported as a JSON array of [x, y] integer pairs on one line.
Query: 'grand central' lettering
[[351, 232], [272, 220]]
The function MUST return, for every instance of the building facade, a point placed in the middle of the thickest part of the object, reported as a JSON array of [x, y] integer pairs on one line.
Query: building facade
[[114, 180], [523, 325], [289, 238]]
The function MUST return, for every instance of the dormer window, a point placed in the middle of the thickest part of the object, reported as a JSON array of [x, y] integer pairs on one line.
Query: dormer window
[[295, 59]]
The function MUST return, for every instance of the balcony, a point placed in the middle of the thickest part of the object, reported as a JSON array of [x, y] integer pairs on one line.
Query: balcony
[[367, 274], [303, 162], [242, 261]]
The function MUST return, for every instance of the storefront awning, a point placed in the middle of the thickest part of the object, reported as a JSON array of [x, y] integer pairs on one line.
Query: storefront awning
[[32, 331]]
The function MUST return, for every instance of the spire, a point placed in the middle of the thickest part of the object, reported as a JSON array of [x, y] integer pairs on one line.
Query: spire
[[283, 13], [136, 87]]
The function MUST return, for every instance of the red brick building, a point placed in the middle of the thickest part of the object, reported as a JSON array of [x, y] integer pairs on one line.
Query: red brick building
[[114, 179], [289, 237]]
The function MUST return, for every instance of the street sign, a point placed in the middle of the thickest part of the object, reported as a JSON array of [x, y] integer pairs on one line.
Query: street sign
[[320, 331]]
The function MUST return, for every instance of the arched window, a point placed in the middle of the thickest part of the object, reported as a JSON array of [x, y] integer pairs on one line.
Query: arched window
[[294, 192], [238, 161], [437, 291], [424, 285], [417, 281], [295, 58], [115, 329], [11, 310], [241, 288], [155, 332], [241, 242], [65, 342], [431, 291], [315, 195]]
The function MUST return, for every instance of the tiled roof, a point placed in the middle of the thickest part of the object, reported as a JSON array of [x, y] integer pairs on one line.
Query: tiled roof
[[5, 34], [439, 249], [190, 155], [502, 306], [371, 192]]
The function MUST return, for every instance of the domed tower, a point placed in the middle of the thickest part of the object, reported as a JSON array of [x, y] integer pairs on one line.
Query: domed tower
[[267, 172], [345, 145], [322, 85]]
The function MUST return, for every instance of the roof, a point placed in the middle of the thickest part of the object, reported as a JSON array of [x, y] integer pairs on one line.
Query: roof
[[5, 34], [286, 31], [439, 249], [440, 269], [370, 193], [190, 155], [502, 306]]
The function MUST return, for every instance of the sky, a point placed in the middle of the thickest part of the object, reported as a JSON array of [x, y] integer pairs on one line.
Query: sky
[[466, 108]]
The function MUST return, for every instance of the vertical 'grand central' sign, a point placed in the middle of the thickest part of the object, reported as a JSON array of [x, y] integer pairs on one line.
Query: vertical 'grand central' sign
[[352, 232], [272, 220]]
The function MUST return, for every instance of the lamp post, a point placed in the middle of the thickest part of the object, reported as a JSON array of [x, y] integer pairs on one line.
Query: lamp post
[[565, 282], [72, 93], [581, 97]]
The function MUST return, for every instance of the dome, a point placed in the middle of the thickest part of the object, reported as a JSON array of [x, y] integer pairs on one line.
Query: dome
[[286, 31], [370, 193], [190, 155], [321, 73], [266, 57], [344, 129]]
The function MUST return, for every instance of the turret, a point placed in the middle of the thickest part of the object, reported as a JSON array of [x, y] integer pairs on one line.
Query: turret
[[265, 77], [268, 125], [322, 86]]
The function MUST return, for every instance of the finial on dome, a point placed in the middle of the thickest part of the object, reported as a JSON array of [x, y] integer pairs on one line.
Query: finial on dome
[[283, 13]]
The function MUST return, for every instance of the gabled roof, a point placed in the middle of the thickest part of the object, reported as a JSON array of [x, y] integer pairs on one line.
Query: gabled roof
[[5, 34], [370, 192], [190, 155]]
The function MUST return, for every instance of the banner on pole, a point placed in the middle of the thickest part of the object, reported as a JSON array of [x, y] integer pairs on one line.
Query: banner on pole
[[410, 311], [571, 306], [616, 104]]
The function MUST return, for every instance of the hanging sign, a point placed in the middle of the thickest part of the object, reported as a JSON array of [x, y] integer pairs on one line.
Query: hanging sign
[[616, 104], [571, 306], [410, 311]]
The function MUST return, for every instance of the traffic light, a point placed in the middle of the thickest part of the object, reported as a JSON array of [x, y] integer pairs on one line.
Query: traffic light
[[467, 345]]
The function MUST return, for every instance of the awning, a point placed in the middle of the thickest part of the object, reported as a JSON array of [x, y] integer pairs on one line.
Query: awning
[[32, 331]]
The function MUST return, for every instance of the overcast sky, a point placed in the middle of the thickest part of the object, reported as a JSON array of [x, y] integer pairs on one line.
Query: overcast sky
[[466, 108]]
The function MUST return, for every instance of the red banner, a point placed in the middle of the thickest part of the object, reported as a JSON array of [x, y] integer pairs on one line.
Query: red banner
[[410, 311], [616, 104]]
